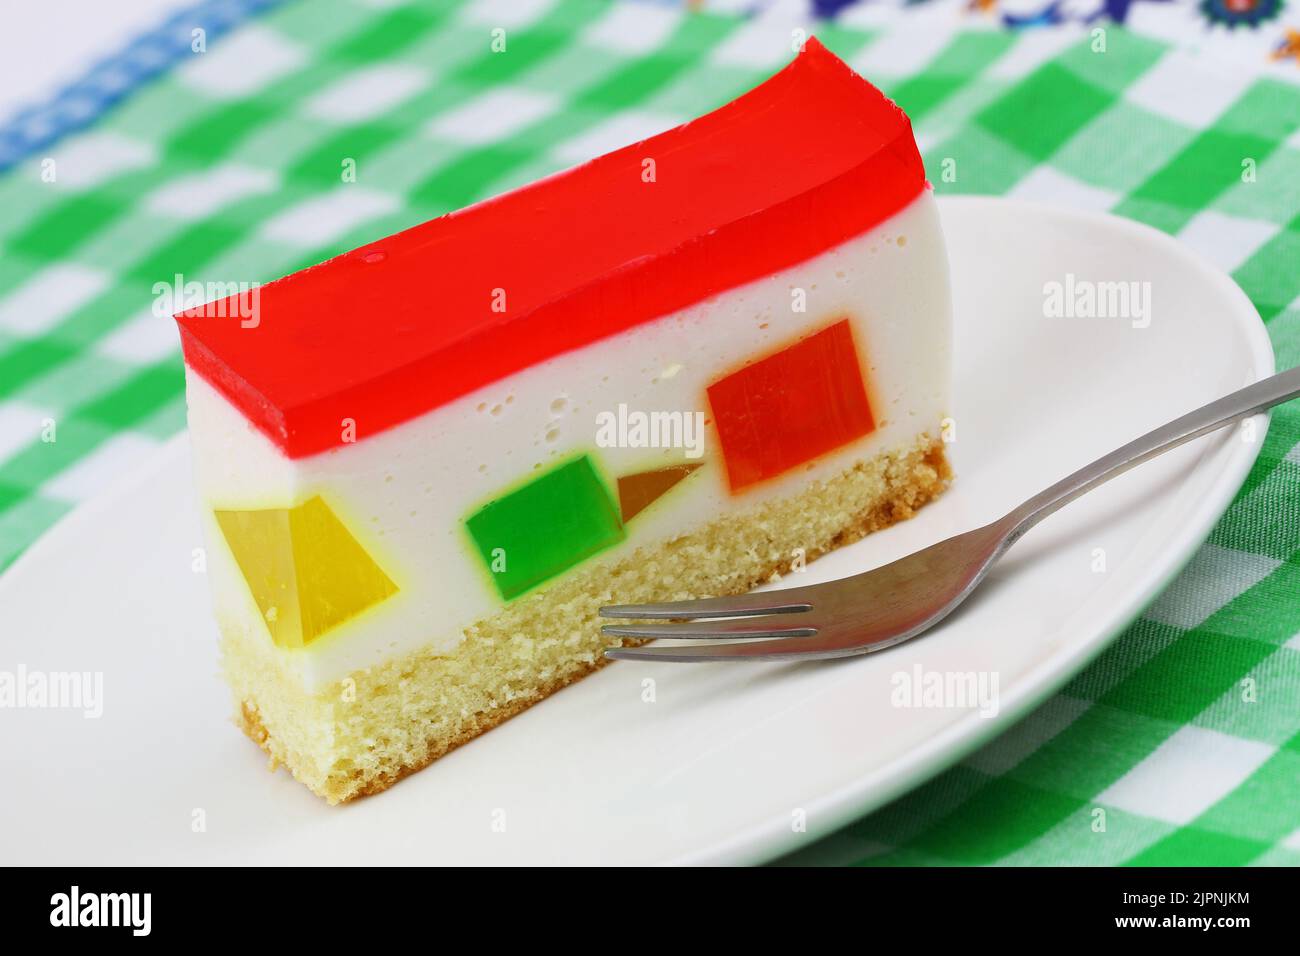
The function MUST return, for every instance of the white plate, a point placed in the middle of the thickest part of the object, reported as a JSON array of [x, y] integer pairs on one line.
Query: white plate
[[726, 757]]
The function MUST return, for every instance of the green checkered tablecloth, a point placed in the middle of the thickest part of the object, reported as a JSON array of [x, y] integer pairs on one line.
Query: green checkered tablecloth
[[230, 167]]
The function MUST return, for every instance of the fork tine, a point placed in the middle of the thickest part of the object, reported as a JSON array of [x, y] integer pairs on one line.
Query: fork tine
[[776, 650], [789, 601], [765, 626]]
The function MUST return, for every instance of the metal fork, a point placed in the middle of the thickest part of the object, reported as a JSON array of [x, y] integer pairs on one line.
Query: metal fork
[[894, 603]]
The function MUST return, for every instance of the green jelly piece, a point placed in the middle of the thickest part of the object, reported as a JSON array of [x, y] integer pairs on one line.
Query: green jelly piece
[[545, 527]]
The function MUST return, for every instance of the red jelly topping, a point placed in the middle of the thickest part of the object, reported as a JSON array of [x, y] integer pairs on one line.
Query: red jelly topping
[[808, 159], [788, 408]]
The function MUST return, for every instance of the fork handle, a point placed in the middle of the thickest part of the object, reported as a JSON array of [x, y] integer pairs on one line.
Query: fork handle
[[1231, 408]]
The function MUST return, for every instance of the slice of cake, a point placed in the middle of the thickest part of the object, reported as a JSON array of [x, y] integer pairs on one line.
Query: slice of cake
[[672, 372]]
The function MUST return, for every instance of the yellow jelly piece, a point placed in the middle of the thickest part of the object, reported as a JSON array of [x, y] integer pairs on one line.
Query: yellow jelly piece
[[305, 570]]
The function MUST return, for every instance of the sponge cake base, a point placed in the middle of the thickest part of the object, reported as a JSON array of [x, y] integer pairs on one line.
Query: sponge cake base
[[362, 734]]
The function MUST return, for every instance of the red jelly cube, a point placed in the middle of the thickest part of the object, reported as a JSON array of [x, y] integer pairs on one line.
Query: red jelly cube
[[784, 410]]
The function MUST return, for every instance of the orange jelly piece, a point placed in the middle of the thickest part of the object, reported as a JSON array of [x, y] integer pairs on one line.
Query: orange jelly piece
[[637, 492], [786, 409]]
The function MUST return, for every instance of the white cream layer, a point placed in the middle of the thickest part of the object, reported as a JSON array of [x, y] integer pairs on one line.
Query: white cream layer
[[404, 493]]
